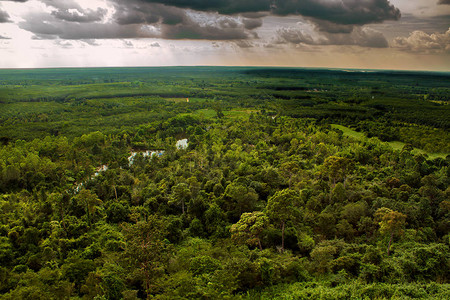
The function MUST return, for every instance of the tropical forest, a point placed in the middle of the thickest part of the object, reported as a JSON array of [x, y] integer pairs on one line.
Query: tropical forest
[[224, 183]]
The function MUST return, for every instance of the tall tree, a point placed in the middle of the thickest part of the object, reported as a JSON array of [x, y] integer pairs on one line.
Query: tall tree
[[146, 249], [283, 206], [249, 228], [239, 199], [181, 194], [336, 168], [391, 222], [90, 201]]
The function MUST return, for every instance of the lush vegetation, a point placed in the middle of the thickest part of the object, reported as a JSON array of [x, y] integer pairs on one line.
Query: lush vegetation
[[296, 184]]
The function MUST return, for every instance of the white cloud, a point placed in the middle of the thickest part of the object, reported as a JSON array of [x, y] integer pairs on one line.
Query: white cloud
[[419, 41]]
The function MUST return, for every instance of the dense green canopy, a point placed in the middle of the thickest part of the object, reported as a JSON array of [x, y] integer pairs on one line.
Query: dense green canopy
[[260, 204]]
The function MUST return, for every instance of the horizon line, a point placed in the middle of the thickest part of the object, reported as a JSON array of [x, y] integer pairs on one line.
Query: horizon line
[[226, 66]]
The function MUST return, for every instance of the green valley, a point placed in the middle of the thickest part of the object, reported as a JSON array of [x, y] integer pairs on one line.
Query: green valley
[[293, 183]]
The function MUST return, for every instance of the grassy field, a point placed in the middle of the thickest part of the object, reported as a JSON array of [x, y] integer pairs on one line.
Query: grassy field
[[396, 145], [229, 114], [349, 132], [206, 113], [232, 114]]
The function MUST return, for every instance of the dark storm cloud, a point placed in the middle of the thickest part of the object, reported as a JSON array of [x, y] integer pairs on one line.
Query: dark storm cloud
[[327, 26], [207, 19], [227, 7], [255, 15], [223, 29], [332, 16], [364, 37], [178, 23], [444, 2], [85, 16], [347, 12], [135, 12], [4, 17]]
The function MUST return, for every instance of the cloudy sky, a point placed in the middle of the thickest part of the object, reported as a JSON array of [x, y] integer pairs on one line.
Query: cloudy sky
[[378, 34]]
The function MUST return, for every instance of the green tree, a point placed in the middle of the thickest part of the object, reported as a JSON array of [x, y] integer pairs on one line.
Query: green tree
[[322, 256], [249, 228], [59, 204], [283, 206], [76, 270], [289, 169], [239, 199], [90, 201], [391, 222], [146, 249], [180, 194], [336, 168]]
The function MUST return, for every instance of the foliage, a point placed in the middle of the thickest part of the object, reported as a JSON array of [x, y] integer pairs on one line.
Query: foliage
[[249, 228], [97, 202]]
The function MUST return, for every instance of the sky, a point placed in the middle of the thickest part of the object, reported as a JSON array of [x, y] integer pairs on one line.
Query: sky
[[361, 34]]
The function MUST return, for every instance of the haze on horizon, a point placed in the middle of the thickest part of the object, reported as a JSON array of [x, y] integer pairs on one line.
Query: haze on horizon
[[363, 34]]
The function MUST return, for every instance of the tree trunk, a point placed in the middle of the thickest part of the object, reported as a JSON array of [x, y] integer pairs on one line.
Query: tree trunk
[[147, 281], [88, 217], [282, 236], [182, 206], [62, 219], [259, 244], [389, 245]]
